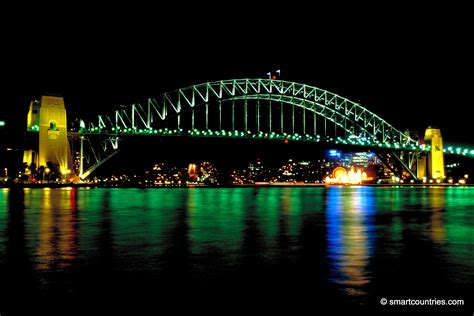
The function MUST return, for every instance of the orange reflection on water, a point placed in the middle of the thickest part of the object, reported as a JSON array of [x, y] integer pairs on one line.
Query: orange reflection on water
[[437, 202], [286, 201], [58, 235]]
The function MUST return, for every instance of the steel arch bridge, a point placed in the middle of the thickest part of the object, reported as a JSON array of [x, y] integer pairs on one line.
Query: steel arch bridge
[[305, 102], [251, 108]]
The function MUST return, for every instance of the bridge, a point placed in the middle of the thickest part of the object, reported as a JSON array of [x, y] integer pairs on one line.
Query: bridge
[[260, 109]]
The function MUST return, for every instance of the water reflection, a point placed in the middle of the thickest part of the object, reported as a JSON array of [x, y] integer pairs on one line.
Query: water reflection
[[177, 253], [103, 241], [16, 272], [437, 202], [284, 233], [350, 234], [58, 230], [348, 242], [252, 243]]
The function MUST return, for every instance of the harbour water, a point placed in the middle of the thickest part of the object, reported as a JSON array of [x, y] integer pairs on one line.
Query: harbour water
[[230, 249]]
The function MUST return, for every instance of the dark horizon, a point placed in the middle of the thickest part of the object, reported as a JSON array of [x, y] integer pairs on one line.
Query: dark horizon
[[412, 70]]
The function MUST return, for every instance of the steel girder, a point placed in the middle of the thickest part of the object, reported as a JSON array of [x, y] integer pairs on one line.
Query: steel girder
[[333, 107]]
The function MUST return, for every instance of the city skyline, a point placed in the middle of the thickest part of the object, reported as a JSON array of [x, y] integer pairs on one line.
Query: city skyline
[[247, 114]]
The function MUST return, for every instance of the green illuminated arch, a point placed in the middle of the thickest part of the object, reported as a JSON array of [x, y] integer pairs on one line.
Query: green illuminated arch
[[173, 108]]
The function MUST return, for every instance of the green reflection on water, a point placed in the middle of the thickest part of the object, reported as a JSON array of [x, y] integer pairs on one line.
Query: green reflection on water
[[3, 218], [207, 230], [216, 219], [459, 227]]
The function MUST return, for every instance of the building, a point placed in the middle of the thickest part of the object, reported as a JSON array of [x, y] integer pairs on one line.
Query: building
[[47, 117]]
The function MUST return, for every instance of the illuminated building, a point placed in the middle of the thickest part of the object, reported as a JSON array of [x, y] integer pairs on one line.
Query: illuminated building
[[30, 156], [368, 162], [363, 159], [208, 173], [48, 116], [341, 176], [193, 172], [435, 156]]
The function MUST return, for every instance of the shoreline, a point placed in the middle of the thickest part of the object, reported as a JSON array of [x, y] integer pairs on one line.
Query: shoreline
[[257, 185]]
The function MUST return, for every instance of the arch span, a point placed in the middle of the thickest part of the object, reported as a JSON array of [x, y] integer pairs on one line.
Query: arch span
[[253, 105]]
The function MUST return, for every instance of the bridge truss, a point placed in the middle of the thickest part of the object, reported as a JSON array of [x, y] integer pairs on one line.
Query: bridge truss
[[256, 108]]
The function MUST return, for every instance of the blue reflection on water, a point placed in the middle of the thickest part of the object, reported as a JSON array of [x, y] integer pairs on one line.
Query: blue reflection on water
[[350, 237], [360, 241]]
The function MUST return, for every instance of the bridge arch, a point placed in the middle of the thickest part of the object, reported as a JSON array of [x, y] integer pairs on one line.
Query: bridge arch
[[176, 106]]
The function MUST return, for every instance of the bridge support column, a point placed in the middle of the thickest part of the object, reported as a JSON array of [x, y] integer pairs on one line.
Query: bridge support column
[[270, 116], [304, 122], [207, 116], [245, 115], [81, 162], [53, 143], [421, 167], [293, 118], [281, 117], [220, 115], [314, 124], [436, 156], [258, 115], [233, 115]]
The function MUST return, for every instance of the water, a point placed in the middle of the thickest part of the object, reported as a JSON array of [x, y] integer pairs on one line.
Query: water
[[232, 248]]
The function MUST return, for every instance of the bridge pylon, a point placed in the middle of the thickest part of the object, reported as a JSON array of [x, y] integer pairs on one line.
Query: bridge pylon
[[435, 159], [48, 117]]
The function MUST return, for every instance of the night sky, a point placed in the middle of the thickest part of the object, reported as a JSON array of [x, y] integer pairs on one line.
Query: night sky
[[412, 66]]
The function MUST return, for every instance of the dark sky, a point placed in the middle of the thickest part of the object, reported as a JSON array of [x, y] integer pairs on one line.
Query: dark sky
[[412, 66]]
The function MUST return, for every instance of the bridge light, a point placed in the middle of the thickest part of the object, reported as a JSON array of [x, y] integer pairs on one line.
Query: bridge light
[[286, 141]]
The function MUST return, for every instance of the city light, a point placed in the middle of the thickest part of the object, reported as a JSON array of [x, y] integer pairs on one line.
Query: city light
[[341, 176], [348, 140], [137, 120]]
